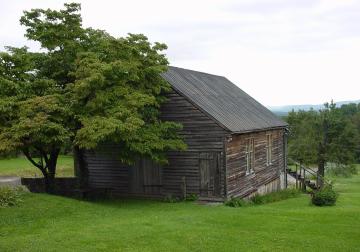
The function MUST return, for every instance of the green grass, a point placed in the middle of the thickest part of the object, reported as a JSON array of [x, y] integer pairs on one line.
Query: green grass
[[22, 167], [52, 223]]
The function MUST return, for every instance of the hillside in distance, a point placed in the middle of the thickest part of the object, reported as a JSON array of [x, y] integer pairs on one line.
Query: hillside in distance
[[284, 110]]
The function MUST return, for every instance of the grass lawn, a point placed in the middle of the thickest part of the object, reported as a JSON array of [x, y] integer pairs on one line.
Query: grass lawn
[[52, 223], [23, 168]]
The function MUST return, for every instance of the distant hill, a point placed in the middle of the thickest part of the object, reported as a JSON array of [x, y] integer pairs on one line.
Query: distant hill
[[284, 110]]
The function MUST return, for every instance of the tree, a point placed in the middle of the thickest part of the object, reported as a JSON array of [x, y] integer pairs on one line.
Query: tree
[[302, 146], [352, 112], [85, 88], [322, 136]]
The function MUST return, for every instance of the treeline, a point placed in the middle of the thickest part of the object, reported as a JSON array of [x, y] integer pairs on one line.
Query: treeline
[[329, 137]]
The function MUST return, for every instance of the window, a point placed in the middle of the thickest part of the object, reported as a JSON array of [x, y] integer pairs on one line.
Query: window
[[268, 149], [250, 156]]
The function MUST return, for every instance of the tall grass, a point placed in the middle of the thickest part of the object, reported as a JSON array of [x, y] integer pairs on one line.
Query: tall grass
[[264, 199]]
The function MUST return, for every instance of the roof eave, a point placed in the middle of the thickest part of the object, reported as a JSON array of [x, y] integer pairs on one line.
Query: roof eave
[[259, 130]]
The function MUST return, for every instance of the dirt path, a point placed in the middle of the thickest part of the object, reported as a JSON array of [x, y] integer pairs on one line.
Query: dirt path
[[10, 181]]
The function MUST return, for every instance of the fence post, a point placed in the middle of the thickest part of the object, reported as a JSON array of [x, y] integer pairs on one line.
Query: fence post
[[296, 176], [184, 187], [304, 178], [301, 177]]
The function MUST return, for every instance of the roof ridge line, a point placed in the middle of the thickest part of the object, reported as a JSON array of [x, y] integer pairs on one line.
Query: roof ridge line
[[197, 71]]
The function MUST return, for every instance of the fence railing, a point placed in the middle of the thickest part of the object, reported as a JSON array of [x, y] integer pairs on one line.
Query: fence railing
[[307, 170]]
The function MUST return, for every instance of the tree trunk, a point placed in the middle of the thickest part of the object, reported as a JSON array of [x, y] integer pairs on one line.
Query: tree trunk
[[48, 169], [321, 173], [49, 179]]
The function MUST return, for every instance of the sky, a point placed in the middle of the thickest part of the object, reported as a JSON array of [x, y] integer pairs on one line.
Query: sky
[[278, 51]]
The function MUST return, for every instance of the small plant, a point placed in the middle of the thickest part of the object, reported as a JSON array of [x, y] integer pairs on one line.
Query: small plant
[[236, 202], [274, 196], [325, 196], [192, 197], [258, 199], [171, 199], [11, 196]]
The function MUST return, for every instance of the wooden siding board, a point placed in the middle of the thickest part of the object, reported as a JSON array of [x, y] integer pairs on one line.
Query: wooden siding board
[[201, 134], [238, 183]]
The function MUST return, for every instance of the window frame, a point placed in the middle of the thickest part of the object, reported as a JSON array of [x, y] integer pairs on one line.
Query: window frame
[[250, 155], [269, 149]]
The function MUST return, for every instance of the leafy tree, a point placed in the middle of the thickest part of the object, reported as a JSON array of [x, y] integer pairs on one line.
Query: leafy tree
[[322, 136], [352, 112], [302, 146], [85, 88]]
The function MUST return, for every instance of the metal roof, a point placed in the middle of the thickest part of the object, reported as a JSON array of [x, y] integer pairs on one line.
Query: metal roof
[[222, 100]]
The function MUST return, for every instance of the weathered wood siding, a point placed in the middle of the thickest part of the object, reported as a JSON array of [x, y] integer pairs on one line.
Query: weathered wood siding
[[239, 184], [201, 166], [105, 170], [203, 137]]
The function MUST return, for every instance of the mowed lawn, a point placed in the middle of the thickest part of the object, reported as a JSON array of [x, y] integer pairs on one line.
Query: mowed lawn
[[23, 168], [52, 223]]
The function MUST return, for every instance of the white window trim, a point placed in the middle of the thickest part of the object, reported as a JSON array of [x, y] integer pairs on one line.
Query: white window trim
[[250, 154], [268, 148]]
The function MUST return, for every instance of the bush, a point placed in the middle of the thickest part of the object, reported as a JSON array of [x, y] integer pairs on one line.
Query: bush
[[192, 197], [263, 199], [324, 197], [236, 202], [171, 199], [275, 196], [258, 199], [11, 196]]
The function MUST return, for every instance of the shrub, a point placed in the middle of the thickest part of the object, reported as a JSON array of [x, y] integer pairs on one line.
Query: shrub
[[171, 199], [192, 197], [236, 202], [263, 199], [258, 199], [275, 196], [324, 197], [11, 196]]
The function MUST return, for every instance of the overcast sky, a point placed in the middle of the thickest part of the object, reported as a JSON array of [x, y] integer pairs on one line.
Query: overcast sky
[[278, 51]]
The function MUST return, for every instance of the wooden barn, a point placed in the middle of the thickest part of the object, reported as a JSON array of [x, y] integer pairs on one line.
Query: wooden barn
[[236, 146]]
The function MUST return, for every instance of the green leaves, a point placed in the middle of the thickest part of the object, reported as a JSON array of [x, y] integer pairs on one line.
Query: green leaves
[[39, 121], [55, 30], [86, 88], [326, 135], [98, 129], [118, 97]]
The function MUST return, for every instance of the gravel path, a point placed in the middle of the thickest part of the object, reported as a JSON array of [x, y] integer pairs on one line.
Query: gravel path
[[10, 181]]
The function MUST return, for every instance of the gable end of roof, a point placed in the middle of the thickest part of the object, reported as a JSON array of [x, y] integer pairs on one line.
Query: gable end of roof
[[222, 101]]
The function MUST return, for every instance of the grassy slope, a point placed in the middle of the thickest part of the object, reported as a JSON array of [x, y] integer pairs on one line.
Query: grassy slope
[[22, 167], [51, 223]]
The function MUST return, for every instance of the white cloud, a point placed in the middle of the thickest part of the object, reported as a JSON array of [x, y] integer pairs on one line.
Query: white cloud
[[280, 51]]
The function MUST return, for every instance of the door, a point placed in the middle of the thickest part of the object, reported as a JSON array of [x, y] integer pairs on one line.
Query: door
[[152, 177], [146, 177], [209, 170]]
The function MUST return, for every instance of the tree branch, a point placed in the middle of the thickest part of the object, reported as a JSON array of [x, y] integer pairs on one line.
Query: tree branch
[[43, 154], [28, 156]]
